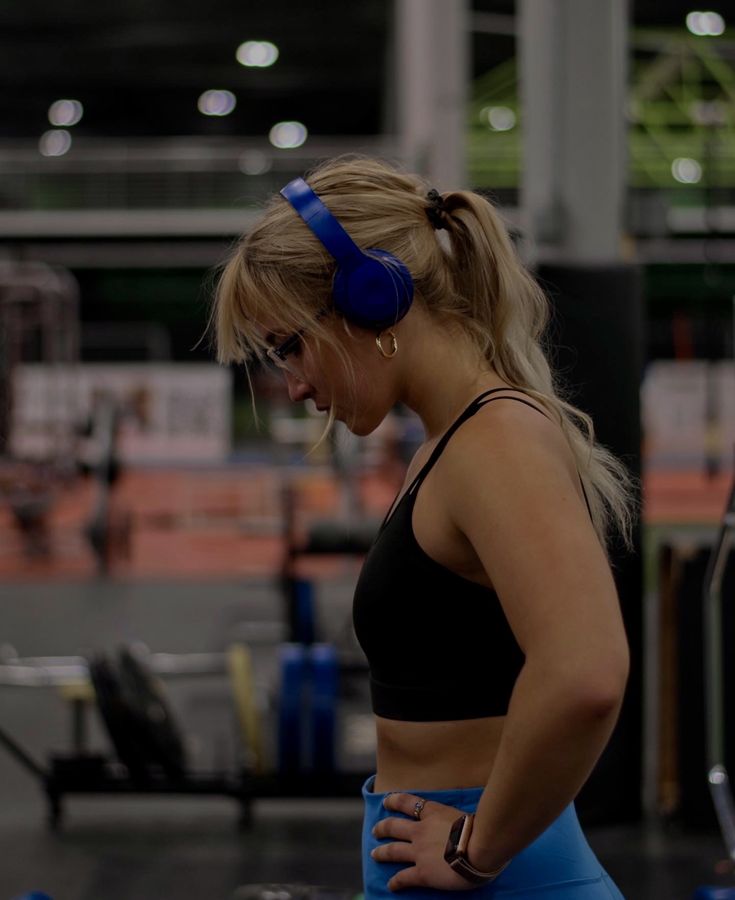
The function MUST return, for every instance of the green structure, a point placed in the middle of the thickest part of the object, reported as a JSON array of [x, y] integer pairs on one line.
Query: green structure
[[681, 112]]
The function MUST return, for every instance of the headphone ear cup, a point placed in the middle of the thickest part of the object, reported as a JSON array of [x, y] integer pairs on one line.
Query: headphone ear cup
[[376, 292]]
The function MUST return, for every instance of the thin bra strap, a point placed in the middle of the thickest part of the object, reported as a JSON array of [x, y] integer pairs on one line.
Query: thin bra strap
[[518, 400], [581, 483], [584, 494], [476, 404]]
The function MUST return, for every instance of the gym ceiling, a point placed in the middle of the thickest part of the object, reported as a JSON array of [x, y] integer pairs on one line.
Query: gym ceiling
[[139, 67]]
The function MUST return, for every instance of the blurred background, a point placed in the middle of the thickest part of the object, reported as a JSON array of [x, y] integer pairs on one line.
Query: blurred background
[[175, 561]]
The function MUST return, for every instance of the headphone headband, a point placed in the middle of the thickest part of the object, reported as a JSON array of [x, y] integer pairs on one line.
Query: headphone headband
[[320, 220], [372, 288]]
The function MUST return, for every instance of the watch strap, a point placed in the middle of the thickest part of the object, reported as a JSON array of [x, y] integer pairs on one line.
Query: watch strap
[[464, 867], [456, 854]]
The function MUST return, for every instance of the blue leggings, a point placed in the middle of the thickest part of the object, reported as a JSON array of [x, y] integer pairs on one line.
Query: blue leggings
[[558, 865]]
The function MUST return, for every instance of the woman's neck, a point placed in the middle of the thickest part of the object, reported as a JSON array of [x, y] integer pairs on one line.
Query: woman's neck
[[442, 372]]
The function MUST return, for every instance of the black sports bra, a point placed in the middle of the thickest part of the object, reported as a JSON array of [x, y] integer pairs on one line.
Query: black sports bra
[[438, 645]]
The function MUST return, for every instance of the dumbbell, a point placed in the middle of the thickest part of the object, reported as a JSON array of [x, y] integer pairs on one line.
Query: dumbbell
[[307, 709]]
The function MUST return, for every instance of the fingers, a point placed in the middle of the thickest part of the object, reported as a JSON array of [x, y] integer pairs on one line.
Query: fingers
[[395, 852], [401, 833], [406, 804], [399, 829], [399, 850]]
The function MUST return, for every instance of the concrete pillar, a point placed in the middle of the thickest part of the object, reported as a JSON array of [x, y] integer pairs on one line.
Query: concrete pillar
[[573, 75], [431, 81]]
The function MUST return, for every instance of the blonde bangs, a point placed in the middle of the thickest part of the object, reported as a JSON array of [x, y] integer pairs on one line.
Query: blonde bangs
[[252, 299]]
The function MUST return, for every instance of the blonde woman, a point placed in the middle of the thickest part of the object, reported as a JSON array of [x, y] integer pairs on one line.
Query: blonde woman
[[486, 607]]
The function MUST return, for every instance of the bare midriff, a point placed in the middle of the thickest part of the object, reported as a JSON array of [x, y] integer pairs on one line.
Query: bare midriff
[[435, 756]]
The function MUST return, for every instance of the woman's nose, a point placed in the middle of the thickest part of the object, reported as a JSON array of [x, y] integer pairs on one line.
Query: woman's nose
[[297, 388]]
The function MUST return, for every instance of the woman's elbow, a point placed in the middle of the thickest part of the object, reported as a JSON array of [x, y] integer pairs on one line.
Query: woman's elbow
[[601, 691]]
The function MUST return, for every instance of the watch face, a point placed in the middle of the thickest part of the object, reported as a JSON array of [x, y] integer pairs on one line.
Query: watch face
[[455, 834]]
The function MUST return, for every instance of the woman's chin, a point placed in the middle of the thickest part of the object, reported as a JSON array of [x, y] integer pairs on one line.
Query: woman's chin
[[360, 427]]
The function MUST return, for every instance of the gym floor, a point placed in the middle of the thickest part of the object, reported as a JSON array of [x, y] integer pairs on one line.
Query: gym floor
[[149, 848], [119, 849]]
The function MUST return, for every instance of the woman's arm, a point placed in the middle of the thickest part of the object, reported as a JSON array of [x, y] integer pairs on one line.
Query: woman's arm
[[511, 491]]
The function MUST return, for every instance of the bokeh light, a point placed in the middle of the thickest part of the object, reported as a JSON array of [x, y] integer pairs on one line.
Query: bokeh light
[[288, 135], [686, 171], [254, 162], [216, 103], [705, 24], [65, 112], [500, 118], [258, 54], [56, 142]]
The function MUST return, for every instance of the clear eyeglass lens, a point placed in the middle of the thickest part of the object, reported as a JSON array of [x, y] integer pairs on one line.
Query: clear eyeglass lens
[[289, 347], [281, 365]]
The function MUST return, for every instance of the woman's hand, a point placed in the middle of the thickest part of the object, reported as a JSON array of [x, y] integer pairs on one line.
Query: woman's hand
[[419, 844]]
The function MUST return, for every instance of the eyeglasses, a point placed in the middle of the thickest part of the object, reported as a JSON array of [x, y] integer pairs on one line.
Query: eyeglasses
[[279, 354], [293, 344]]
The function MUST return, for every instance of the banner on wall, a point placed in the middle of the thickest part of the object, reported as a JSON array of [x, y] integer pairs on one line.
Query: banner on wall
[[688, 410], [167, 412]]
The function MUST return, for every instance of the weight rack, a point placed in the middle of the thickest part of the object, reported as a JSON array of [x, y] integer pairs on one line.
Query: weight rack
[[84, 773]]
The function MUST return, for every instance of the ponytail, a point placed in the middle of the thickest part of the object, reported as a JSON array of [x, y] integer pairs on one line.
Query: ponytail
[[507, 313]]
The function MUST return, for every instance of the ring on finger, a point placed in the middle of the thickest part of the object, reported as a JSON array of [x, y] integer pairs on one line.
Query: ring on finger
[[418, 808]]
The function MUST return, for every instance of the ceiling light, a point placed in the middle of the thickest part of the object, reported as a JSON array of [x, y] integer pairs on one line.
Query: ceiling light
[[705, 24], [55, 142], [254, 162], [216, 103], [65, 112], [686, 171], [258, 54], [288, 135], [501, 118]]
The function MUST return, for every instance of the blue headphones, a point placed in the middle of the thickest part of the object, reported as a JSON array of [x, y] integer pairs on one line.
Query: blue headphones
[[372, 288]]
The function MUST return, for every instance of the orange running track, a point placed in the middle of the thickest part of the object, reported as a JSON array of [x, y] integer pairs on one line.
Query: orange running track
[[208, 524]]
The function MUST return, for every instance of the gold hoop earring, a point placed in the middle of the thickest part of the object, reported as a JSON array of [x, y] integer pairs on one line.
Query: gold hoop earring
[[393, 344]]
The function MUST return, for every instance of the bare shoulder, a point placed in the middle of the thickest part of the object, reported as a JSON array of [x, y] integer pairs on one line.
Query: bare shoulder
[[509, 474], [514, 436]]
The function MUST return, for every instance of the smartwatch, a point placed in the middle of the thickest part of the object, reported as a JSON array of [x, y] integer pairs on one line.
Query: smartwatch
[[456, 852]]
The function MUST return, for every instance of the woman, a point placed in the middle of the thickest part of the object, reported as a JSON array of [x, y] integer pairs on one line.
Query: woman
[[486, 606]]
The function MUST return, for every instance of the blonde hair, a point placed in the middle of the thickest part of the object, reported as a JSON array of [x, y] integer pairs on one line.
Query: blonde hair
[[473, 280]]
